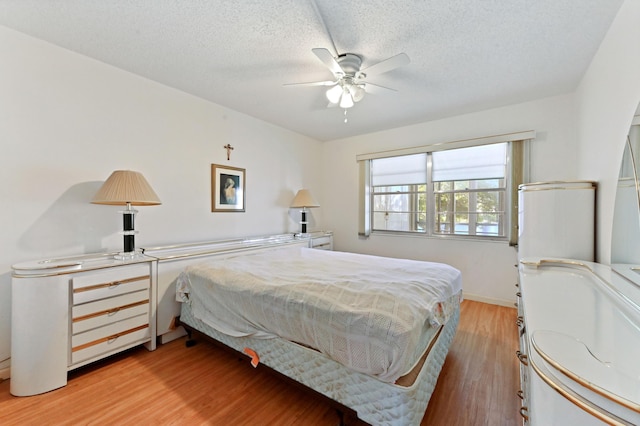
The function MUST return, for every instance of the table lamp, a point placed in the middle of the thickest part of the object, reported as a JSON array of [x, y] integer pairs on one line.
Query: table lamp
[[305, 200], [127, 188]]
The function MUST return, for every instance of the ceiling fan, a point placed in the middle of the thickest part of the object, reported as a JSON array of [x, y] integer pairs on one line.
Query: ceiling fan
[[350, 83]]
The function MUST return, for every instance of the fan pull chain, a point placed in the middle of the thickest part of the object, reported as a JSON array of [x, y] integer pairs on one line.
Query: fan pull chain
[[345, 116]]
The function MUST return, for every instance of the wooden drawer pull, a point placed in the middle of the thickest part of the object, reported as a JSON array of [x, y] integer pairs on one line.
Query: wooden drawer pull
[[524, 359], [520, 394]]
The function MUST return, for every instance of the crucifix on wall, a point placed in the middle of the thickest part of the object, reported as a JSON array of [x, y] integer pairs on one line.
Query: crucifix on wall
[[229, 148]]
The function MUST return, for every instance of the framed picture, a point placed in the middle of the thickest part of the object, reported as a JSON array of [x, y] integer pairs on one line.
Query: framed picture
[[227, 188]]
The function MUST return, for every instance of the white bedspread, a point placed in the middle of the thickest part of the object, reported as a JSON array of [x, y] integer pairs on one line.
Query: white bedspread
[[366, 312]]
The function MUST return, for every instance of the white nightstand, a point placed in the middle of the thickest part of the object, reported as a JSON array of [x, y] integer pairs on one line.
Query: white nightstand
[[322, 240], [68, 312]]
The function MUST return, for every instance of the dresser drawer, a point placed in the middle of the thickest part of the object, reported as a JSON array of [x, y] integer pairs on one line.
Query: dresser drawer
[[109, 283], [105, 311], [323, 243], [107, 332], [129, 337]]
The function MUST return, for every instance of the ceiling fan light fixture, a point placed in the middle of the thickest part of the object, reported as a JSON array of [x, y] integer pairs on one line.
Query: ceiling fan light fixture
[[357, 92], [334, 94], [346, 101]]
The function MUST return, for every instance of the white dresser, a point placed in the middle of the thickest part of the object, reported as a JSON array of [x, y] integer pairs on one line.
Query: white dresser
[[68, 312], [579, 327]]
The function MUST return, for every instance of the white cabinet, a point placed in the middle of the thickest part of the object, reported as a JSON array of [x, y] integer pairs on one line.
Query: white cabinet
[[73, 311], [557, 219]]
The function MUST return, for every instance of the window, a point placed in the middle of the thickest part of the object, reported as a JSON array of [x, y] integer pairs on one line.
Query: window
[[469, 186], [462, 191], [399, 193]]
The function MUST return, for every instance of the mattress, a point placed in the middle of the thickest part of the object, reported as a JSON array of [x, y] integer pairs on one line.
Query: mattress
[[374, 315]]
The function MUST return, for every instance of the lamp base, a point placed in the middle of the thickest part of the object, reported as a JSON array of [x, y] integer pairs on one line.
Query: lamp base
[[129, 235], [128, 255], [303, 222]]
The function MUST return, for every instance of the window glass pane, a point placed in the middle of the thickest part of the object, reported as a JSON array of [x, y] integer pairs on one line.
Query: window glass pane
[[443, 186], [462, 224], [443, 215], [489, 226], [490, 183], [490, 213], [400, 211], [461, 185], [391, 202], [488, 201], [396, 188], [461, 213]]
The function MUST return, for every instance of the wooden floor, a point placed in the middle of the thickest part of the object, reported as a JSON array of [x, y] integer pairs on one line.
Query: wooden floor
[[206, 385]]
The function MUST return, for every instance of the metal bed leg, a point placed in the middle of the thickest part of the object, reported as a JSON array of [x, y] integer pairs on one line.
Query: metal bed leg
[[190, 340]]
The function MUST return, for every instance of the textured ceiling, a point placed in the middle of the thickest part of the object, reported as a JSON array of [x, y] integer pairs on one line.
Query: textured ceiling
[[466, 55]]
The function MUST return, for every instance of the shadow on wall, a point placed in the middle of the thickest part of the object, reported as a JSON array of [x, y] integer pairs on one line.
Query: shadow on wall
[[72, 221], [294, 214]]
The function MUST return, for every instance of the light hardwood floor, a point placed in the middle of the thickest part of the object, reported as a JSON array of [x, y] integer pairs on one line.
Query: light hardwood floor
[[206, 385]]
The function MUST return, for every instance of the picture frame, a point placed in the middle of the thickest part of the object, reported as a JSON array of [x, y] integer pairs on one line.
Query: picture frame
[[228, 188]]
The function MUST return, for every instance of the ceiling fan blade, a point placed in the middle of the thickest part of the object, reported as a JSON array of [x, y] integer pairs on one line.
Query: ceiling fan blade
[[313, 83], [399, 60], [376, 88], [324, 25], [327, 58]]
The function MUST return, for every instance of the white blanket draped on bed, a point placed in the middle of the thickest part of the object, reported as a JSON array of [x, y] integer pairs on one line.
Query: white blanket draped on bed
[[366, 312]]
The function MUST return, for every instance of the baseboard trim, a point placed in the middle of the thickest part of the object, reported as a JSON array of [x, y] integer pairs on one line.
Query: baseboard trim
[[499, 302]]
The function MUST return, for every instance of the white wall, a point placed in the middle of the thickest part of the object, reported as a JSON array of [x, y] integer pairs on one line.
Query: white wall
[[66, 122], [607, 99], [487, 267]]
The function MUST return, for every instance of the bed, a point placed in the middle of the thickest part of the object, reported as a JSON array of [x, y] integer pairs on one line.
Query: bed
[[368, 332]]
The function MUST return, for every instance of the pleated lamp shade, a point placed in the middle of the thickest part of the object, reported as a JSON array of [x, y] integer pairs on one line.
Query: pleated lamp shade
[[126, 187], [304, 199]]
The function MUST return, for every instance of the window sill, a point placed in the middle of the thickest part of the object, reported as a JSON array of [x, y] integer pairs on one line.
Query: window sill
[[466, 238]]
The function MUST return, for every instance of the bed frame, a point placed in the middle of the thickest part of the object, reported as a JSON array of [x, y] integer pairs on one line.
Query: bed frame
[[373, 401]]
